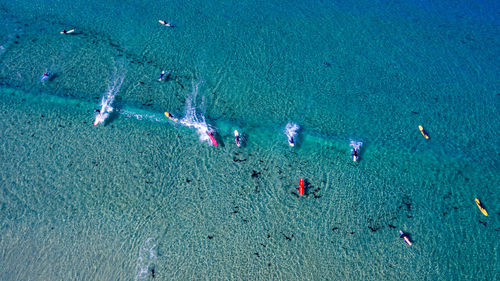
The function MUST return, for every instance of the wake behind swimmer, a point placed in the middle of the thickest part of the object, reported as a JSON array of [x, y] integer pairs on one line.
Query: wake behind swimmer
[[108, 98], [147, 258], [194, 119]]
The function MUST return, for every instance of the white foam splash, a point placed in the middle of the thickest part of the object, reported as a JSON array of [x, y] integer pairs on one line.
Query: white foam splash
[[356, 145], [131, 113], [146, 259], [193, 118], [291, 131], [114, 86]]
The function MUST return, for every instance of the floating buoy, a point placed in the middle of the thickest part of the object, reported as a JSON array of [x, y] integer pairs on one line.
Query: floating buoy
[[301, 187]]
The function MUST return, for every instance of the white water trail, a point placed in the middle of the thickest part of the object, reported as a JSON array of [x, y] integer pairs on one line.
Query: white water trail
[[143, 115], [146, 259], [108, 98], [193, 118]]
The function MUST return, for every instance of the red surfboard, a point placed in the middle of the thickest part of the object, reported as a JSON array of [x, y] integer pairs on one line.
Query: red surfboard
[[301, 187], [212, 138]]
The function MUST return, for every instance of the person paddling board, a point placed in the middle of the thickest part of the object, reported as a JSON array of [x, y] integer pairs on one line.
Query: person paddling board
[[237, 138], [405, 237], [162, 76], [67, 31], [354, 155], [170, 116], [291, 141], [212, 138], [45, 76], [164, 23]]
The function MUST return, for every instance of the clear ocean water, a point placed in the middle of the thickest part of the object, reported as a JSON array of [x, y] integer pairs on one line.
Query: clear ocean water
[[140, 197]]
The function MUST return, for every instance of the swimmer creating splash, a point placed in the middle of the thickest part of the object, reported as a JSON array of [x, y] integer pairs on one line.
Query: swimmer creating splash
[[356, 145], [291, 131]]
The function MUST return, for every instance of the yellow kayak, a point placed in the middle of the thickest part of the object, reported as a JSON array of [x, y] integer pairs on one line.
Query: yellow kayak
[[426, 136], [481, 207], [170, 116]]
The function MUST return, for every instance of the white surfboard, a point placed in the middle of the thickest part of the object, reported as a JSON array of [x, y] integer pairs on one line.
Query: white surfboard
[[237, 138], [67, 31]]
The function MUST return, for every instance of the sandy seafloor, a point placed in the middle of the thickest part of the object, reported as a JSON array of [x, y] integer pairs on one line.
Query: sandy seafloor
[[140, 193]]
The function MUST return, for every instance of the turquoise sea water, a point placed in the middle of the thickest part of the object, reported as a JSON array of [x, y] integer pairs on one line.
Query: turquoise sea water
[[140, 193]]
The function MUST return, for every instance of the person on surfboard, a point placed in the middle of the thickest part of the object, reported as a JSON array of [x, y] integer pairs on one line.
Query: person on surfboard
[[354, 154], [212, 138], [405, 237], [162, 74], [165, 23], [45, 76], [237, 138], [67, 31]]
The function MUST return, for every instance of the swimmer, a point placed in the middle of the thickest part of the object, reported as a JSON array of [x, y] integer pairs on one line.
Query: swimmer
[[237, 138], [67, 31], [291, 130], [45, 76], [212, 138], [97, 111], [354, 155], [356, 145], [161, 75], [405, 237], [165, 23]]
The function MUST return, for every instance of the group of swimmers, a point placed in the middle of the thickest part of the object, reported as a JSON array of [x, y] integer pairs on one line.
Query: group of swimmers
[[237, 138]]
